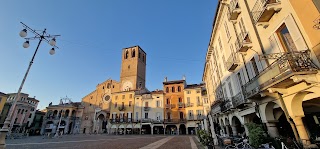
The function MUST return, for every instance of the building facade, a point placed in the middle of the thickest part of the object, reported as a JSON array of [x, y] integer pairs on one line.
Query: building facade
[[64, 118], [194, 108], [3, 99], [262, 66], [23, 114], [36, 124]]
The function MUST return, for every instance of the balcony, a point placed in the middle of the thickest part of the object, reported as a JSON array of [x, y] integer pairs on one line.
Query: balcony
[[279, 73], [238, 100], [168, 106], [243, 42], [181, 105], [157, 121], [171, 121], [199, 104], [201, 117], [182, 120], [226, 104], [146, 120], [234, 10], [191, 118], [189, 104], [146, 108], [122, 108], [233, 62], [263, 10]]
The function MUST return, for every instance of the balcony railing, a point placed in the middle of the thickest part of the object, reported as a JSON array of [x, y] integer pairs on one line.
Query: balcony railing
[[232, 62], [243, 42], [226, 104], [182, 120], [263, 10], [181, 105], [146, 108], [122, 108], [199, 103], [201, 117], [278, 74], [168, 106], [234, 10], [146, 120], [171, 120], [189, 104], [238, 100]]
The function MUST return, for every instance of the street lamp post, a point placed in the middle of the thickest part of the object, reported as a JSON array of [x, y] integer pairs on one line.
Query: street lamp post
[[43, 36]]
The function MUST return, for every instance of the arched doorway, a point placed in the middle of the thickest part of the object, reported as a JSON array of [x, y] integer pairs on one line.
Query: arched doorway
[[237, 127], [182, 129], [171, 129], [145, 129], [99, 124], [181, 115], [311, 120], [66, 114], [62, 126], [227, 127]]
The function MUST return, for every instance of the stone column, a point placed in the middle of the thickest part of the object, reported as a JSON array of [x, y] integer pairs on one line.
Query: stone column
[[234, 130], [213, 133], [151, 130], [246, 129], [178, 130], [164, 130], [272, 129], [227, 130], [116, 131], [205, 125], [125, 131], [187, 131], [302, 131]]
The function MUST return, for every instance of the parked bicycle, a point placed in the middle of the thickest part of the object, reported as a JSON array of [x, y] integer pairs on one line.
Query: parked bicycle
[[242, 145]]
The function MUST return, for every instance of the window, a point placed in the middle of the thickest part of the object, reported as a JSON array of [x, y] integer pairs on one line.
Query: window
[[188, 92], [167, 90], [130, 96], [30, 115], [255, 67], [116, 97], [32, 109], [15, 121], [130, 103], [143, 58], [126, 55], [158, 103], [198, 99], [137, 115], [239, 78], [180, 99], [172, 89], [286, 39], [168, 101], [179, 89], [188, 100], [19, 111], [146, 104], [230, 89], [146, 115], [123, 96], [128, 66], [133, 53], [227, 30], [158, 116], [198, 91], [122, 104], [220, 44], [115, 104]]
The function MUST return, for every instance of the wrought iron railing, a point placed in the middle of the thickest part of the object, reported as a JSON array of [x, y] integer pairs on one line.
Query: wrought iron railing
[[242, 38], [259, 7], [283, 67], [189, 104], [146, 120], [122, 108], [146, 108], [226, 104], [238, 100], [171, 120], [168, 106], [181, 105], [199, 103]]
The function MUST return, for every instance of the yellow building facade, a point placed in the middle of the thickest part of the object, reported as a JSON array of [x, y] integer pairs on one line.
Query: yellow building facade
[[262, 66]]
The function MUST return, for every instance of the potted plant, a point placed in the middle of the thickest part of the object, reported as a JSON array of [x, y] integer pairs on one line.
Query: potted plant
[[205, 139]]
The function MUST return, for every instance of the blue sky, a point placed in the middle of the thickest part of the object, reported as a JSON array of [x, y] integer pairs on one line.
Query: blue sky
[[174, 34]]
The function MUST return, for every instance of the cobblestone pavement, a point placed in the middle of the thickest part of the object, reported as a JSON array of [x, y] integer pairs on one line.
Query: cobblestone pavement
[[106, 142]]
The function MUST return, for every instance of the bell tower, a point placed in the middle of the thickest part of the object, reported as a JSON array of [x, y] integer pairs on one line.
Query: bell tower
[[133, 69]]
